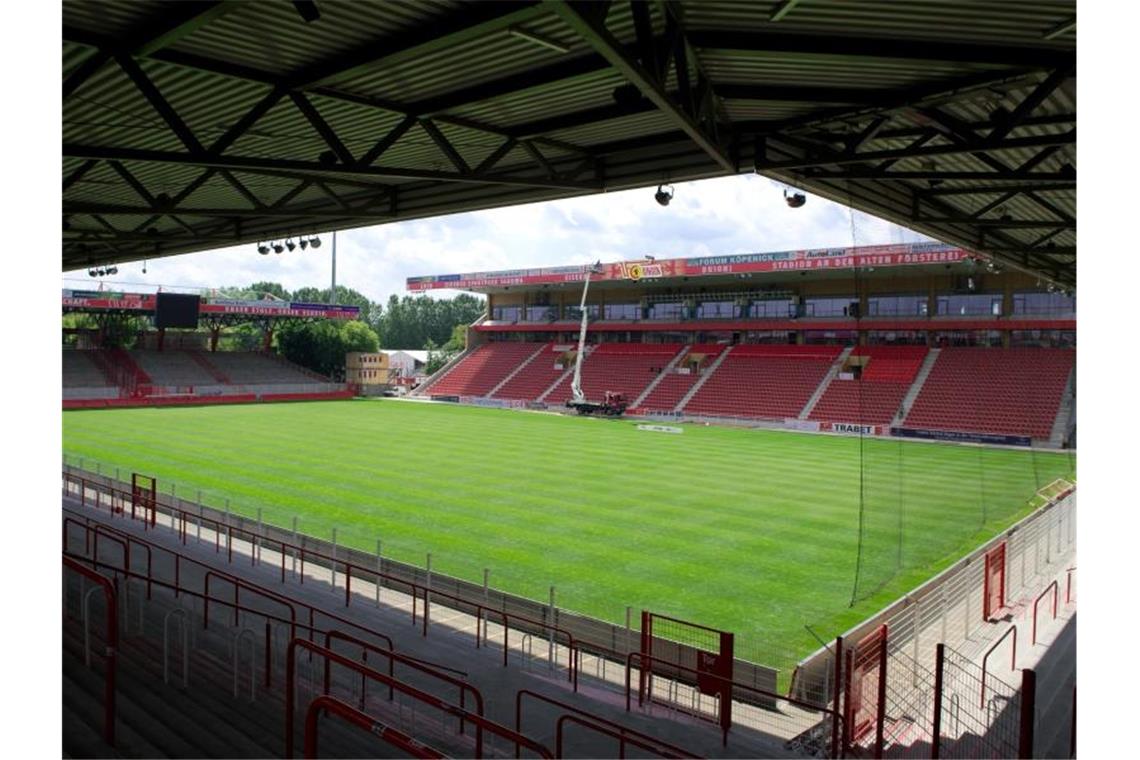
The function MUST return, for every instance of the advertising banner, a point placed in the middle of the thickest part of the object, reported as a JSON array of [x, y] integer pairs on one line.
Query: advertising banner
[[903, 254], [962, 437]]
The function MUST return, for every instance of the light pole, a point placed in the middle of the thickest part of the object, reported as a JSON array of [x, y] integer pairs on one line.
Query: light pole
[[333, 291]]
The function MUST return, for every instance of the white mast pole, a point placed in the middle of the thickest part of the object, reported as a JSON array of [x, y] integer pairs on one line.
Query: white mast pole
[[576, 385]]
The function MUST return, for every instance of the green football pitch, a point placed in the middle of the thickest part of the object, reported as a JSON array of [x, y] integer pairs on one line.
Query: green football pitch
[[753, 531]]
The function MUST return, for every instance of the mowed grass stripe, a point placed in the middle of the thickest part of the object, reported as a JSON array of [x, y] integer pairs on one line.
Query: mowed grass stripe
[[754, 531]]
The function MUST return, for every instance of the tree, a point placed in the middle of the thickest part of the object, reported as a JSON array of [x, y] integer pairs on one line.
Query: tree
[[321, 345], [410, 322]]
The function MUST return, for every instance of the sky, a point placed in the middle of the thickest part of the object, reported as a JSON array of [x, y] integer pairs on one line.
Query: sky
[[739, 214]]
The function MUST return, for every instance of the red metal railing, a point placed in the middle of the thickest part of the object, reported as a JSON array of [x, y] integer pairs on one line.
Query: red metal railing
[[415, 590], [659, 747], [394, 657], [401, 741], [985, 658], [1069, 585], [179, 558], [481, 723], [125, 540], [623, 739], [1056, 592], [112, 650], [734, 685]]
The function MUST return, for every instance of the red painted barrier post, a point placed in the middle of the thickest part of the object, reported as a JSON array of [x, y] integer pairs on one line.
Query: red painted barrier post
[[882, 697], [1028, 710]]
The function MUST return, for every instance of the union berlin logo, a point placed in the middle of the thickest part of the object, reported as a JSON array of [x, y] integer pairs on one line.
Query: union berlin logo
[[640, 269]]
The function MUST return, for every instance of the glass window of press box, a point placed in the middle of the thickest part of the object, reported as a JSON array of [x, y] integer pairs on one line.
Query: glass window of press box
[[898, 306], [1038, 303], [506, 313], [540, 313], [970, 305], [832, 306], [779, 308], [623, 311], [575, 312], [671, 310], [717, 310]]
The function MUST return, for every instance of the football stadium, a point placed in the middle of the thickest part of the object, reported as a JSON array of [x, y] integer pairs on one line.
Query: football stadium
[[815, 502]]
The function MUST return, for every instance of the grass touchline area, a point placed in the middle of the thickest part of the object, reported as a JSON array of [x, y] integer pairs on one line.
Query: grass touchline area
[[753, 531]]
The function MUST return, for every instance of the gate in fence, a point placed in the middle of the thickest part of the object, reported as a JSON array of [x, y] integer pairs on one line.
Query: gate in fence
[[864, 689], [678, 649], [144, 496], [993, 593]]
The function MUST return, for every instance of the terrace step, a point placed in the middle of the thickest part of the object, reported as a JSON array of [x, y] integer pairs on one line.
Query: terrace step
[[569, 371], [704, 378], [491, 393], [831, 374], [916, 386], [665, 372]]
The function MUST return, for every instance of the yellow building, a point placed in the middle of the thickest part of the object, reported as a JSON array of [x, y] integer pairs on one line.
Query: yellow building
[[366, 369]]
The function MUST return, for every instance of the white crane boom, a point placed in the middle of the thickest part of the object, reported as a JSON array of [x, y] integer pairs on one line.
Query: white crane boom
[[576, 384]]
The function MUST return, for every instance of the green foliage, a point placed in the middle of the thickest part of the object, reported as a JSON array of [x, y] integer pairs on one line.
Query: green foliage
[[753, 531], [410, 322], [321, 345], [441, 355]]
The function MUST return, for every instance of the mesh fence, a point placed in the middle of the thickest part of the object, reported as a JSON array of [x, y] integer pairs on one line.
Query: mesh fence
[[980, 716]]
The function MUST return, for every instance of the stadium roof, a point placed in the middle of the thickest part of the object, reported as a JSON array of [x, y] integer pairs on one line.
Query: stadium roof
[[195, 125]]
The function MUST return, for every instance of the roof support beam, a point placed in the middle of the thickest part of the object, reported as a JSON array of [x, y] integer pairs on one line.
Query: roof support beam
[[1032, 101], [445, 146], [313, 116], [309, 170], [599, 38], [77, 175], [245, 123], [158, 102], [133, 181], [243, 191], [955, 176], [879, 47], [507, 146], [243, 213], [169, 25], [387, 141], [838, 159]]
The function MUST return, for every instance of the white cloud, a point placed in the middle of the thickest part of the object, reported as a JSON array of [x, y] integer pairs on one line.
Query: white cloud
[[726, 215]]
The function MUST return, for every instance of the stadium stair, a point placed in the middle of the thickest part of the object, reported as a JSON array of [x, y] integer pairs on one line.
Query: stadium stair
[[563, 376], [442, 372], [203, 361], [536, 377], [916, 386], [874, 398], [537, 352], [1063, 423], [831, 374], [666, 372], [696, 387]]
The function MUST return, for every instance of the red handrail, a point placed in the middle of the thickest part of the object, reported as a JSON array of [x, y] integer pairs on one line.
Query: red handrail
[[252, 586], [1069, 584], [415, 588], [622, 739], [417, 694], [112, 617], [986, 657], [121, 538], [239, 584], [398, 739], [733, 685], [670, 748], [1056, 592], [394, 657]]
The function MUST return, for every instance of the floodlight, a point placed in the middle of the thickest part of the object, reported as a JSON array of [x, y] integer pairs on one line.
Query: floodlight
[[794, 200], [290, 245], [304, 243], [315, 242], [661, 196], [278, 248], [262, 248]]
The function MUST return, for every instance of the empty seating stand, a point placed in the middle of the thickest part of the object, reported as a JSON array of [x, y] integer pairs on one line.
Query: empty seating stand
[[532, 380], [622, 367], [484, 368], [875, 398], [674, 386], [1013, 391], [763, 381]]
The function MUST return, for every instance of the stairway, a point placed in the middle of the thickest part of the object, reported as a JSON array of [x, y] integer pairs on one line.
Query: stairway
[[665, 372], [491, 393], [1066, 418], [704, 378], [831, 374], [569, 371], [916, 386], [202, 361]]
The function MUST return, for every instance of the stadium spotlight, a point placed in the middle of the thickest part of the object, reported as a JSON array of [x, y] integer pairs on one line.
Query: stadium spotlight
[[278, 248], [304, 243], [90, 272], [315, 242], [290, 245], [794, 200], [650, 258], [661, 196], [262, 248], [112, 270]]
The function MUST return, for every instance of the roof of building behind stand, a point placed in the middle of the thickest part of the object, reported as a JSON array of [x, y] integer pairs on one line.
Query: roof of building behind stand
[[195, 125]]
